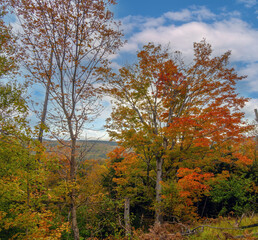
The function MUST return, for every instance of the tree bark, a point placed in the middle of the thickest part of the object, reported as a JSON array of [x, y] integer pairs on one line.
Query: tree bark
[[127, 217], [158, 214], [44, 111], [73, 191], [75, 228], [256, 137], [44, 114]]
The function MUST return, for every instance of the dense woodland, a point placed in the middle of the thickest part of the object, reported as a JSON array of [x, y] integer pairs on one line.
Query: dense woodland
[[182, 153]]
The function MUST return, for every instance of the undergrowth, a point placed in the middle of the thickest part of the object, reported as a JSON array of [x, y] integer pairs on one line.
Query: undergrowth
[[226, 228], [221, 228]]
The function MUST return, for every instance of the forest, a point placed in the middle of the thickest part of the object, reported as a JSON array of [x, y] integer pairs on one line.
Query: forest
[[182, 163]]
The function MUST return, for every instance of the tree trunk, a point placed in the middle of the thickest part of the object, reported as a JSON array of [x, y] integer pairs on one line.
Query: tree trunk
[[44, 111], [75, 228], [127, 217], [44, 114], [158, 214], [73, 191], [256, 119]]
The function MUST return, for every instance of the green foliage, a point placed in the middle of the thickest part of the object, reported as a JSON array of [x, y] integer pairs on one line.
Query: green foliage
[[99, 218], [12, 104], [235, 194], [24, 195], [171, 203]]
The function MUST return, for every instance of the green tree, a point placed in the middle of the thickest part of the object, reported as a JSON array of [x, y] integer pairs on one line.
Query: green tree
[[234, 194]]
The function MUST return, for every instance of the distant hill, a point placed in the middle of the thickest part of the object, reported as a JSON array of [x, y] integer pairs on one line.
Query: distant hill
[[98, 149], [95, 149]]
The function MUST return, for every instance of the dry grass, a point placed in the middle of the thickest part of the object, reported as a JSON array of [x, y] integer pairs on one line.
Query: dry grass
[[209, 229], [227, 228]]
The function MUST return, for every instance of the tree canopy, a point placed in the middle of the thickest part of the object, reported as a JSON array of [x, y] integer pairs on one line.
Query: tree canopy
[[183, 151]]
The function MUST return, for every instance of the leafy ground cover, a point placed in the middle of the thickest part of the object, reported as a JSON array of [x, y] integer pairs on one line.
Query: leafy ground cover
[[244, 227], [228, 228]]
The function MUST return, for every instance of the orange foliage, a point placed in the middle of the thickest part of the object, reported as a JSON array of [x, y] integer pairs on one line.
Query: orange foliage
[[127, 166], [39, 225], [193, 184]]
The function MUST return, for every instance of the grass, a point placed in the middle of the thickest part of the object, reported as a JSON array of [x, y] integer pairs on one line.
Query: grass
[[226, 228], [221, 228]]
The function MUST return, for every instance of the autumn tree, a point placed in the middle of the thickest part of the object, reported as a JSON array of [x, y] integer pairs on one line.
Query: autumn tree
[[12, 103], [126, 182], [169, 112], [27, 208], [7, 42], [24, 213], [64, 43]]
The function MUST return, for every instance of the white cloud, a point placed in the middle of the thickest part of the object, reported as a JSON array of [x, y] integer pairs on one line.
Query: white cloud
[[139, 23], [90, 134], [251, 71], [225, 31], [233, 34], [115, 65], [131, 23], [248, 3], [194, 13], [184, 15], [202, 13], [249, 109], [222, 34]]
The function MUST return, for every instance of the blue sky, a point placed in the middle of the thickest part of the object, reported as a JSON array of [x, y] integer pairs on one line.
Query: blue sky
[[154, 8], [225, 24]]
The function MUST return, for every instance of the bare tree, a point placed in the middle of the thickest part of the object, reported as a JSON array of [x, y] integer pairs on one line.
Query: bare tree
[[65, 43]]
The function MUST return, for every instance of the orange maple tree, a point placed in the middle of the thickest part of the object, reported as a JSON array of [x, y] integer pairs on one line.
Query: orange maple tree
[[170, 112]]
